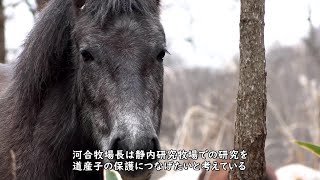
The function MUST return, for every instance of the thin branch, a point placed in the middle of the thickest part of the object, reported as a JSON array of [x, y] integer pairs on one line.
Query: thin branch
[[31, 9], [13, 165]]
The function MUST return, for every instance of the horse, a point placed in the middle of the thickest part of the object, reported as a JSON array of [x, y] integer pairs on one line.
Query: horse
[[89, 77]]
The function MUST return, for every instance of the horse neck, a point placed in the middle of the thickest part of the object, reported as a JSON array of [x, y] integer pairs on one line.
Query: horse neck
[[60, 114]]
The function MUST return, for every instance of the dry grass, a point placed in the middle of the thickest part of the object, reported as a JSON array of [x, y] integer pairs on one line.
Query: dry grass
[[200, 105], [13, 165]]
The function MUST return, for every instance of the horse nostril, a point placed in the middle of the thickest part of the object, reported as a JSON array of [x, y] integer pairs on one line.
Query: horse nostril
[[128, 143], [115, 144], [155, 143]]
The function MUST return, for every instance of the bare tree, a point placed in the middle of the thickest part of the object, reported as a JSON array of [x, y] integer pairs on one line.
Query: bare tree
[[312, 40], [250, 125]]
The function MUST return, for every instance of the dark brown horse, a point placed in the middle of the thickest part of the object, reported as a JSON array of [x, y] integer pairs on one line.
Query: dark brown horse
[[90, 77]]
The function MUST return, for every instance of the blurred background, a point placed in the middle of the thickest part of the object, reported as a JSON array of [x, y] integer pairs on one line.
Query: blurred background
[[201, 74]]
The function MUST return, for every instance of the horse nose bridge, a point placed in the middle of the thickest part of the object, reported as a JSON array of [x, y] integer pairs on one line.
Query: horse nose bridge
[[133, 113], [135, 131], [137, 126], [133, 83]]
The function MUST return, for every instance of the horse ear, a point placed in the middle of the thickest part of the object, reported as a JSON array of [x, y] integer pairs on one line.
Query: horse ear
[[78, 4]]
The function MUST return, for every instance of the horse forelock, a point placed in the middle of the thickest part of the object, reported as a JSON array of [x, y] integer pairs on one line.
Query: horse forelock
[[100, 10]]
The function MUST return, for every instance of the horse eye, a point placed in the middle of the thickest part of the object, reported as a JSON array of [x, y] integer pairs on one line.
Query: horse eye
[[86, 55], [161, 55]]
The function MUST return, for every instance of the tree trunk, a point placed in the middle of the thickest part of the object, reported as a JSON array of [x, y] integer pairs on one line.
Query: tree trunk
[[250, 125], [2, 35]]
